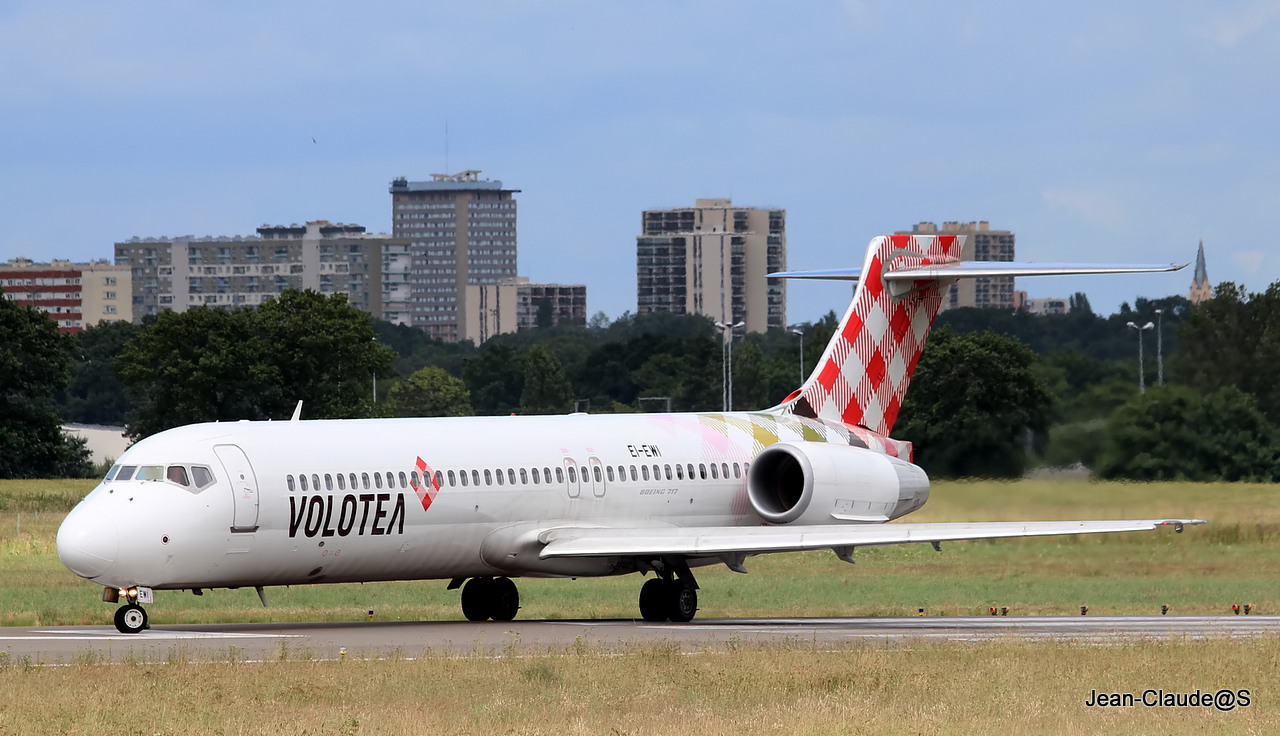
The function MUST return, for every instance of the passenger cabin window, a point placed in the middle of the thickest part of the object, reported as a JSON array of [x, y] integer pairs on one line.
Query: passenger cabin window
[[735, 471], [302, 481], [511, 476], [702, 471], [453, 481], [546, 475], [352, 478], [679, 471], [391, 480], [535, 477], [667, 471], [501, 480], [328, 482], [622, 472], [475, 477], [690, 469], [315, 482], [657, 472], [288, 479], [342, 482], [463, 475], [559, 475], [488, 477], [713, 472], [364, 480], [724, 470], [573, 476], [404, 483], [644, 472], [634, 477], [377, 481], [439, 479], [595, 470], [609, 473]]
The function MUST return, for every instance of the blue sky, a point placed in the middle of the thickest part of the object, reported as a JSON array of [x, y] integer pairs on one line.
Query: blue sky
[[1097, 131]]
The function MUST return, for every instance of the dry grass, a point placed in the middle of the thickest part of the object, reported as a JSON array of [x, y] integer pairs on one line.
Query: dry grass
[[997, 687]]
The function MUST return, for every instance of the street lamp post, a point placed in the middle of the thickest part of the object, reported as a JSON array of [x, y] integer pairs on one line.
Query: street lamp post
[[796, 331], [1142, 381], [726, 365], [1160, 347]]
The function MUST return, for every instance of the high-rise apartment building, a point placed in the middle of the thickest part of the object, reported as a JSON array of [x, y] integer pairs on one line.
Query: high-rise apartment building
[[460, 231], [981, 243], [75, 295], [711, 259], [514, 305], [180, 273]]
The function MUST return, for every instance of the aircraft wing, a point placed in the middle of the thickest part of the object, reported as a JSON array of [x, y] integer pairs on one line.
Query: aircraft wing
[[711, 541]]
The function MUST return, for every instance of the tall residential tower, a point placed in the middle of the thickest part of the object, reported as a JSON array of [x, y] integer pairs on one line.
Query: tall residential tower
[[460, 230], [711, 259]]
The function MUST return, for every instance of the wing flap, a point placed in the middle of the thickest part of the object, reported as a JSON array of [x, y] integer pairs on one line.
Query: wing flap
[[707, 541]]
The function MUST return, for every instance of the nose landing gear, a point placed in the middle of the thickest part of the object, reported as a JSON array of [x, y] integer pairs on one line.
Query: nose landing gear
[[131, 618]]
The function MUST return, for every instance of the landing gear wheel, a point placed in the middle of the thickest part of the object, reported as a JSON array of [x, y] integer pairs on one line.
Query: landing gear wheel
[[504, 599], [683, 602], [475, 599], [131, 619], [654, 600]]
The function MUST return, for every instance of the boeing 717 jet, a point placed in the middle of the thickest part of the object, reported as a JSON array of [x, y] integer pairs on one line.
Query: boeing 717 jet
[[483, 501]]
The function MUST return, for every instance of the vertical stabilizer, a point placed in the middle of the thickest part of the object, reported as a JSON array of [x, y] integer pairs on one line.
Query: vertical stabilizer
[[864, 373]]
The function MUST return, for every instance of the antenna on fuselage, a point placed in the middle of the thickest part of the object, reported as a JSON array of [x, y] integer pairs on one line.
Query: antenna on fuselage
[[297, 412]]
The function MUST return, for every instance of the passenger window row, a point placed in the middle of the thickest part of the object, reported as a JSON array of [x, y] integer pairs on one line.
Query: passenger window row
[[500, 477]]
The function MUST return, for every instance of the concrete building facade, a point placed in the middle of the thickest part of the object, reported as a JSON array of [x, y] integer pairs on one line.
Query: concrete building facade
[[184, 272], [460, 231], [75, 295], [981, 244], [711, 259], [513, 305]]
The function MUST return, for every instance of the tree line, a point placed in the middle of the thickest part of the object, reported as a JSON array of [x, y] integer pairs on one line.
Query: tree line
[[995, 392]]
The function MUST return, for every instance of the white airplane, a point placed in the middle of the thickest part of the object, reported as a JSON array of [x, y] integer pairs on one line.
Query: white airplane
[[479, 501]]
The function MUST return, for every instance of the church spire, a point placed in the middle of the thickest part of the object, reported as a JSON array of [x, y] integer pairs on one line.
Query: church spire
[[1200, 288]]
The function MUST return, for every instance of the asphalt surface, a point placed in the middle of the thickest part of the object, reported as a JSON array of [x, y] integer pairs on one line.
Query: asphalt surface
[[255, 642]]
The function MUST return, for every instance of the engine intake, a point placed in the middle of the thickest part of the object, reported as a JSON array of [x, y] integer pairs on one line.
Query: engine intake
[[821, 483]]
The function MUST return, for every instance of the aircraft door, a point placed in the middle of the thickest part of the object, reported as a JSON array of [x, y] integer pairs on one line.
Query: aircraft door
[[244, 487], [571, 478], [597, 477]]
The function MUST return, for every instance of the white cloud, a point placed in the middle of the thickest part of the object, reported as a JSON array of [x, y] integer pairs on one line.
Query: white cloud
[[1229, 30], [1249, 261], [1091, 205]]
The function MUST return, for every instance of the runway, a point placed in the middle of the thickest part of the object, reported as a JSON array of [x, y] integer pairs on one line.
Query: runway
[[255, 642]]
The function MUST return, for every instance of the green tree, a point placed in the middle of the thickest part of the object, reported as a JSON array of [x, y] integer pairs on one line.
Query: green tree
[[750, 387], [495, 377], [1233, 340], [209, 364], [546, 314], [546, 389], [94, 393], [972, 401], [33, 364], [430, 392], [1174, 432]]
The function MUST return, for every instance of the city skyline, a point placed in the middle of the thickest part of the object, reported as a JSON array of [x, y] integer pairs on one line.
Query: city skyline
[[1103, 132]]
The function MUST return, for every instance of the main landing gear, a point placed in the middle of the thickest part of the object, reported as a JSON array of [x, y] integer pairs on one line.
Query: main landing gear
[[490, 598], [671, 597]]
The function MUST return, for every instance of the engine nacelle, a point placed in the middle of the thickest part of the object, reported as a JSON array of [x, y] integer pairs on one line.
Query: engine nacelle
[[819, 483]]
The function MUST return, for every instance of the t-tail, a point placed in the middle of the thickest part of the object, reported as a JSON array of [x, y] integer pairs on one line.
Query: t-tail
[[863, 375]]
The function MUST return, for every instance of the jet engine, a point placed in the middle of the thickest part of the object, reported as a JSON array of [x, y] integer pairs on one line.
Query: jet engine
[[818, 483]]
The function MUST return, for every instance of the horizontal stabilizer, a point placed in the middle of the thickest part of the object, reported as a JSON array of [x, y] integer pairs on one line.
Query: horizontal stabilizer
[[980, 269], [710, 541]]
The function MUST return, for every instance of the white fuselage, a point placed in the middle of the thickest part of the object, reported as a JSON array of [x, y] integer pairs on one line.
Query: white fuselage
[[336, 501]]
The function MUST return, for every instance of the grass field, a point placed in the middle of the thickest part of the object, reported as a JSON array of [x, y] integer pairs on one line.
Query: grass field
[[993, 687], [1204, 570], [916, 687]]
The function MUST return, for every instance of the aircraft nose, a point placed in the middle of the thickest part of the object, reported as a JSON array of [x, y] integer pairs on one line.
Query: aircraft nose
[[87, 542]]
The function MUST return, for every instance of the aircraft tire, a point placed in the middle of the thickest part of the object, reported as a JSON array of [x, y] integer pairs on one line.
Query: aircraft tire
[[131, 619], [683, 601], [504, 599], [477, 599], [655, 600]]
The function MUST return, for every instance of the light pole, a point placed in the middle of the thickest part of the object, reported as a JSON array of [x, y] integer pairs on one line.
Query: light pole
[[1142, 381], [796, 331], [726, 364], [1160, 347], [375, 379]]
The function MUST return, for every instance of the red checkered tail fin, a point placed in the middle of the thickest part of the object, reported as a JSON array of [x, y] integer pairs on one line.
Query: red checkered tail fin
[[863, 375]]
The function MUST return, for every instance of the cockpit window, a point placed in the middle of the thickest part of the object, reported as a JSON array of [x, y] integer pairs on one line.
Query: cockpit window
[[201, 475], [177, 474], [126, 472], [150, 472], [112, 472]]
